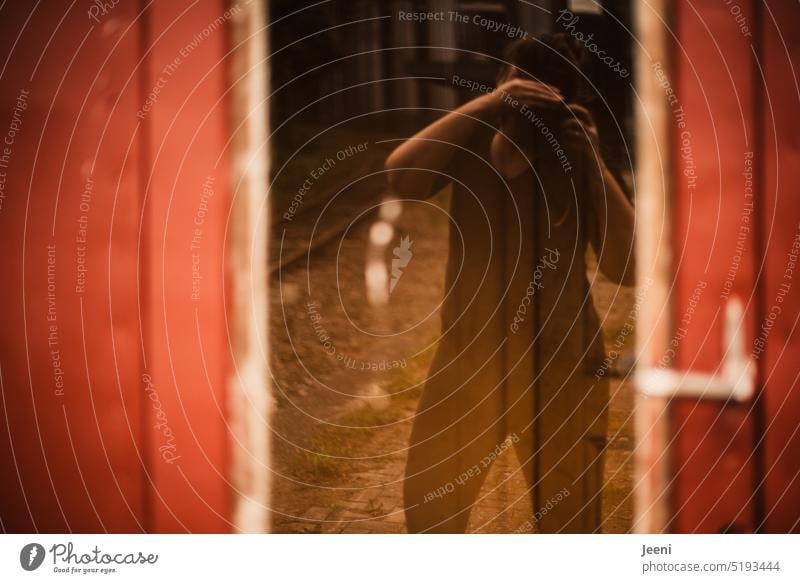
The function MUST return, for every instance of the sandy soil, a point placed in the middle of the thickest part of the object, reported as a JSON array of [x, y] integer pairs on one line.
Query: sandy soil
[[348, 376]]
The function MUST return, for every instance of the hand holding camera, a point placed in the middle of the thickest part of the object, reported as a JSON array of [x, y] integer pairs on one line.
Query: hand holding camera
[[518, 92], [579, 132]]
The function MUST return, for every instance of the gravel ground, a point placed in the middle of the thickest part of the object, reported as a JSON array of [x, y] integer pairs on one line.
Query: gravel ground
[[348, 376]]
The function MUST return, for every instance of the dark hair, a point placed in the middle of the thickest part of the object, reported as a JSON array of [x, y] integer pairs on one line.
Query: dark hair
[[555, 59]]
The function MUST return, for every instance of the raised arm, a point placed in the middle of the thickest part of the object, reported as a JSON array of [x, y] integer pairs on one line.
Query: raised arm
[[612, 224], [412, 167]]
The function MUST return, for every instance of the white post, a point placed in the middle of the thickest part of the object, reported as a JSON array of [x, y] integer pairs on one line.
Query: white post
[[250, 399], [651, 512]]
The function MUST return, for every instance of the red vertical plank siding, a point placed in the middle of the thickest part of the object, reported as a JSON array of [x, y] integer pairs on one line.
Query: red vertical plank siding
[[712, 444], [187, 349], [781, 227], [135, 438], [69, 453]]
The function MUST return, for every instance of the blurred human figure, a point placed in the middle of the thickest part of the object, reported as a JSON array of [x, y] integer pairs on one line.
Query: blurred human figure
[[520, 345]]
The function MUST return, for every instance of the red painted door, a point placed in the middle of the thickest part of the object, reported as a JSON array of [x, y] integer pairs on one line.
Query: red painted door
[[780, 229], [113, 210], [734, 462]]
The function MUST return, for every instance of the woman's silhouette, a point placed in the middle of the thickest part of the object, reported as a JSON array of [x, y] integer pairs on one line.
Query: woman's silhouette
[[521, 344]]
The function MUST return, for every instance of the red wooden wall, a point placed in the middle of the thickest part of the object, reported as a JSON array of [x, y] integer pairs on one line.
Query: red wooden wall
[[135, 438], [188, 350], [735, 465], [712, 465], [781, 229]]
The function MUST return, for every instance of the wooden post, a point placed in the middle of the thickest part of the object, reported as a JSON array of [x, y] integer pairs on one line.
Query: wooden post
[[250, 401]]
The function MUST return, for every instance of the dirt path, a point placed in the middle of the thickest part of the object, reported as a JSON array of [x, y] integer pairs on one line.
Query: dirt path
[[348, 376]]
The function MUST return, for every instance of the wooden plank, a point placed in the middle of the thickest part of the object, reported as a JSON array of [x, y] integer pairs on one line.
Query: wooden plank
[[777, 333], [183, 264], [71, 393], [712, 460]]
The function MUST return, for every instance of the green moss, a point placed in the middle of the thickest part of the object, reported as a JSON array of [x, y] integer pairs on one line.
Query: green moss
[[329, 453]]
